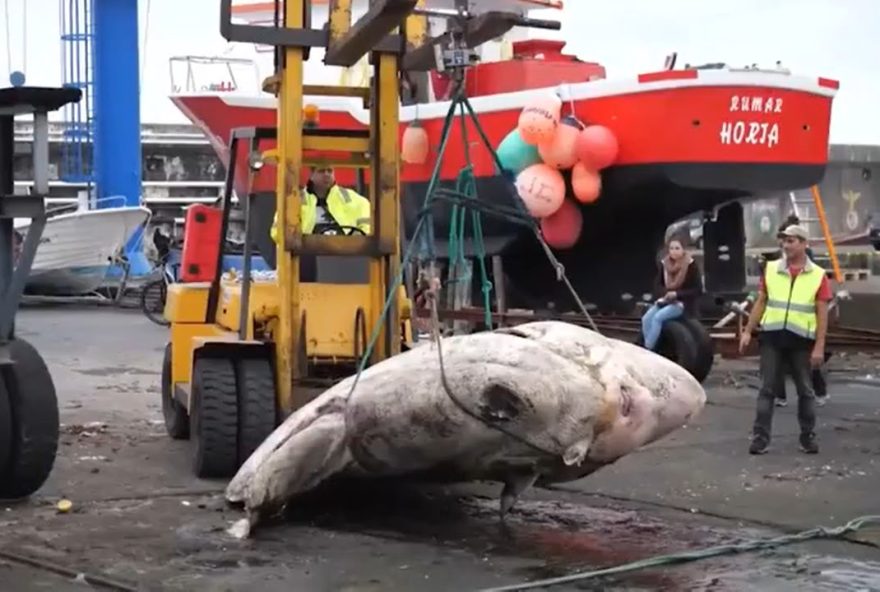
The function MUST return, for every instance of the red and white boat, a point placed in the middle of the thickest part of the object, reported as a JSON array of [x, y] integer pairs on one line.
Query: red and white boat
[[690, 139]]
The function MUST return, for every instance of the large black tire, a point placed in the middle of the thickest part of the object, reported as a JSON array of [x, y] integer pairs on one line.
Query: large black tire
[[176, 417], [5, 430], [153, 296], [214, 418], [677, 344], [705, 347], [35, 424], [256, 404]]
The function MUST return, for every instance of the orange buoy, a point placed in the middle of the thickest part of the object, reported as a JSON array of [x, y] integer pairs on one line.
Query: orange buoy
[[539, 119], [586, 183], [542, 189], [560, 151], [596, 147], [563, 229], [414, 147]]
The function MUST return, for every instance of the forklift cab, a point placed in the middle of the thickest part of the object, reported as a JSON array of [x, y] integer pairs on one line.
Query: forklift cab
[[313, 268]]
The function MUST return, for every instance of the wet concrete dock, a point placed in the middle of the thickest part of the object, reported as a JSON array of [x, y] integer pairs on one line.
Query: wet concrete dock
[[141, 519]]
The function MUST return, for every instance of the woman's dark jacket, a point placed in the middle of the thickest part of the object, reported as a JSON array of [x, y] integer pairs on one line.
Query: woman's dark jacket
[[689, 291]]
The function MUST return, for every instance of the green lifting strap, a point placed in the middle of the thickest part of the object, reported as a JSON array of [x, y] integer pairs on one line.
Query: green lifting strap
[[463, 197]]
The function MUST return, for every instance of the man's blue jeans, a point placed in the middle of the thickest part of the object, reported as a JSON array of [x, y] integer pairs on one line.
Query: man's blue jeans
[[652, 322]]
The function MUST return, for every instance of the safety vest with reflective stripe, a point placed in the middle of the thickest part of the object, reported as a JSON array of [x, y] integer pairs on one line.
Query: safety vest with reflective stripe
[[791, 303], [347, 207]]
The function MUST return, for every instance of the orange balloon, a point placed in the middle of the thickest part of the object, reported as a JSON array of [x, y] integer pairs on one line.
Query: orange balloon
[[539, 119], [542, 189], [414, 147], [596, 147], [563, 229], [559, 151], [586, 183]]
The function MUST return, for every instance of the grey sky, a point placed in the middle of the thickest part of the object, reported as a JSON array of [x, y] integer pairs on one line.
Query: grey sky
[[832, 38]]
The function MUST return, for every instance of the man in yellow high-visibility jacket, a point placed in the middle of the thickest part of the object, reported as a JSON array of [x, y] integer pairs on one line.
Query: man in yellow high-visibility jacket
[[792, 307], [328, 208]]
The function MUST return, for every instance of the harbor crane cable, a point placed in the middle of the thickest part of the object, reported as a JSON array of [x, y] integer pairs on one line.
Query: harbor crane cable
[[463, 198], [8, 36], [24, 36]]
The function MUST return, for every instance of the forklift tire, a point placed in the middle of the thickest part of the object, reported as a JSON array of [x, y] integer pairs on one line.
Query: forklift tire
[[176, 417], [5, 431], [33, 407], [705, 347], [256, 404], [214, 418]]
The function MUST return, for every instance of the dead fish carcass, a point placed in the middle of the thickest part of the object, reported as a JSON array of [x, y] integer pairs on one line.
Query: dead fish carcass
[[539, 403]]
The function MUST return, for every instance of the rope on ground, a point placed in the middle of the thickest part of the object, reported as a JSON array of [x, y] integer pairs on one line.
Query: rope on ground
[[51, 567], [820, 532]]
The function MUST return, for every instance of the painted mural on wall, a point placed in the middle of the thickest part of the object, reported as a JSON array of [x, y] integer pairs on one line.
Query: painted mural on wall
[[851, 196], [850, 193]]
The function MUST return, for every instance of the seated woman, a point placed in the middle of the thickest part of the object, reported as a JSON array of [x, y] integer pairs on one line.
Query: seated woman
[[679, 284]]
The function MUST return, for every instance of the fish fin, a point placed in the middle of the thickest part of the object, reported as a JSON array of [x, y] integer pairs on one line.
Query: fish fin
[[306, 459], [240, 529], [577, 452], [514, 485]]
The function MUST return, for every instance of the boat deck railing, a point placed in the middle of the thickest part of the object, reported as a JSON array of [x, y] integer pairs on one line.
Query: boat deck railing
[[191, 73]]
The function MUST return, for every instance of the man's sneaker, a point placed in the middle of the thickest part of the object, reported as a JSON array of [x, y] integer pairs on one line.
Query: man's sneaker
[[820, 401], [759, 445], [781, 402], [808, 444]]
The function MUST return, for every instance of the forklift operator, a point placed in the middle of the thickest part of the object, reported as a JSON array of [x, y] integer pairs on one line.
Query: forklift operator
[[328, 208]]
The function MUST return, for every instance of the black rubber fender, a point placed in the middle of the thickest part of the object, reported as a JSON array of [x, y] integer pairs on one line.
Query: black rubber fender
[[175, 414], [33, 406], [705, 356], [677, 344], [214, 418], [256, 404], [5, 430]]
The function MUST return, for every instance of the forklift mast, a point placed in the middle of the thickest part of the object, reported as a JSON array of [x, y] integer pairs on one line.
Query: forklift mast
[[385, 32]]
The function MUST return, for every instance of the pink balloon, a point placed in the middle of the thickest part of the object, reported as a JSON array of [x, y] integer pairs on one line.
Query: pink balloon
[[542, 189], [560, 151], [563, 229], [596, 147], [539, 119], [415, 145], [586, 183]]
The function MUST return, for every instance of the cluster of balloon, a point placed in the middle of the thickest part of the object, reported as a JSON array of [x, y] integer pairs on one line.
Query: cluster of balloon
[[539, 149]]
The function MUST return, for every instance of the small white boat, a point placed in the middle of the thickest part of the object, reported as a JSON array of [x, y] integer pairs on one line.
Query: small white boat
[[78, 248]]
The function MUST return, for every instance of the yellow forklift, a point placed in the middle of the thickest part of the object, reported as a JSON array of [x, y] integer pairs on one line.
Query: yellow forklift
[[242, 351], [245, 353]]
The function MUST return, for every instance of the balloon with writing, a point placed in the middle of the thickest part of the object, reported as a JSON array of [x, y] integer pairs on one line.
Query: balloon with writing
[[542, 189], [539, 119]]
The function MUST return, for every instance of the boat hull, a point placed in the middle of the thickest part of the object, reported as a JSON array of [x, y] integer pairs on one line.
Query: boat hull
[[77, 249], [690, 141], [681, 118]]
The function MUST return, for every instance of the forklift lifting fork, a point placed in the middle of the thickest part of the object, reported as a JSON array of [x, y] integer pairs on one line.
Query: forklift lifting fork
[[242, 352]]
